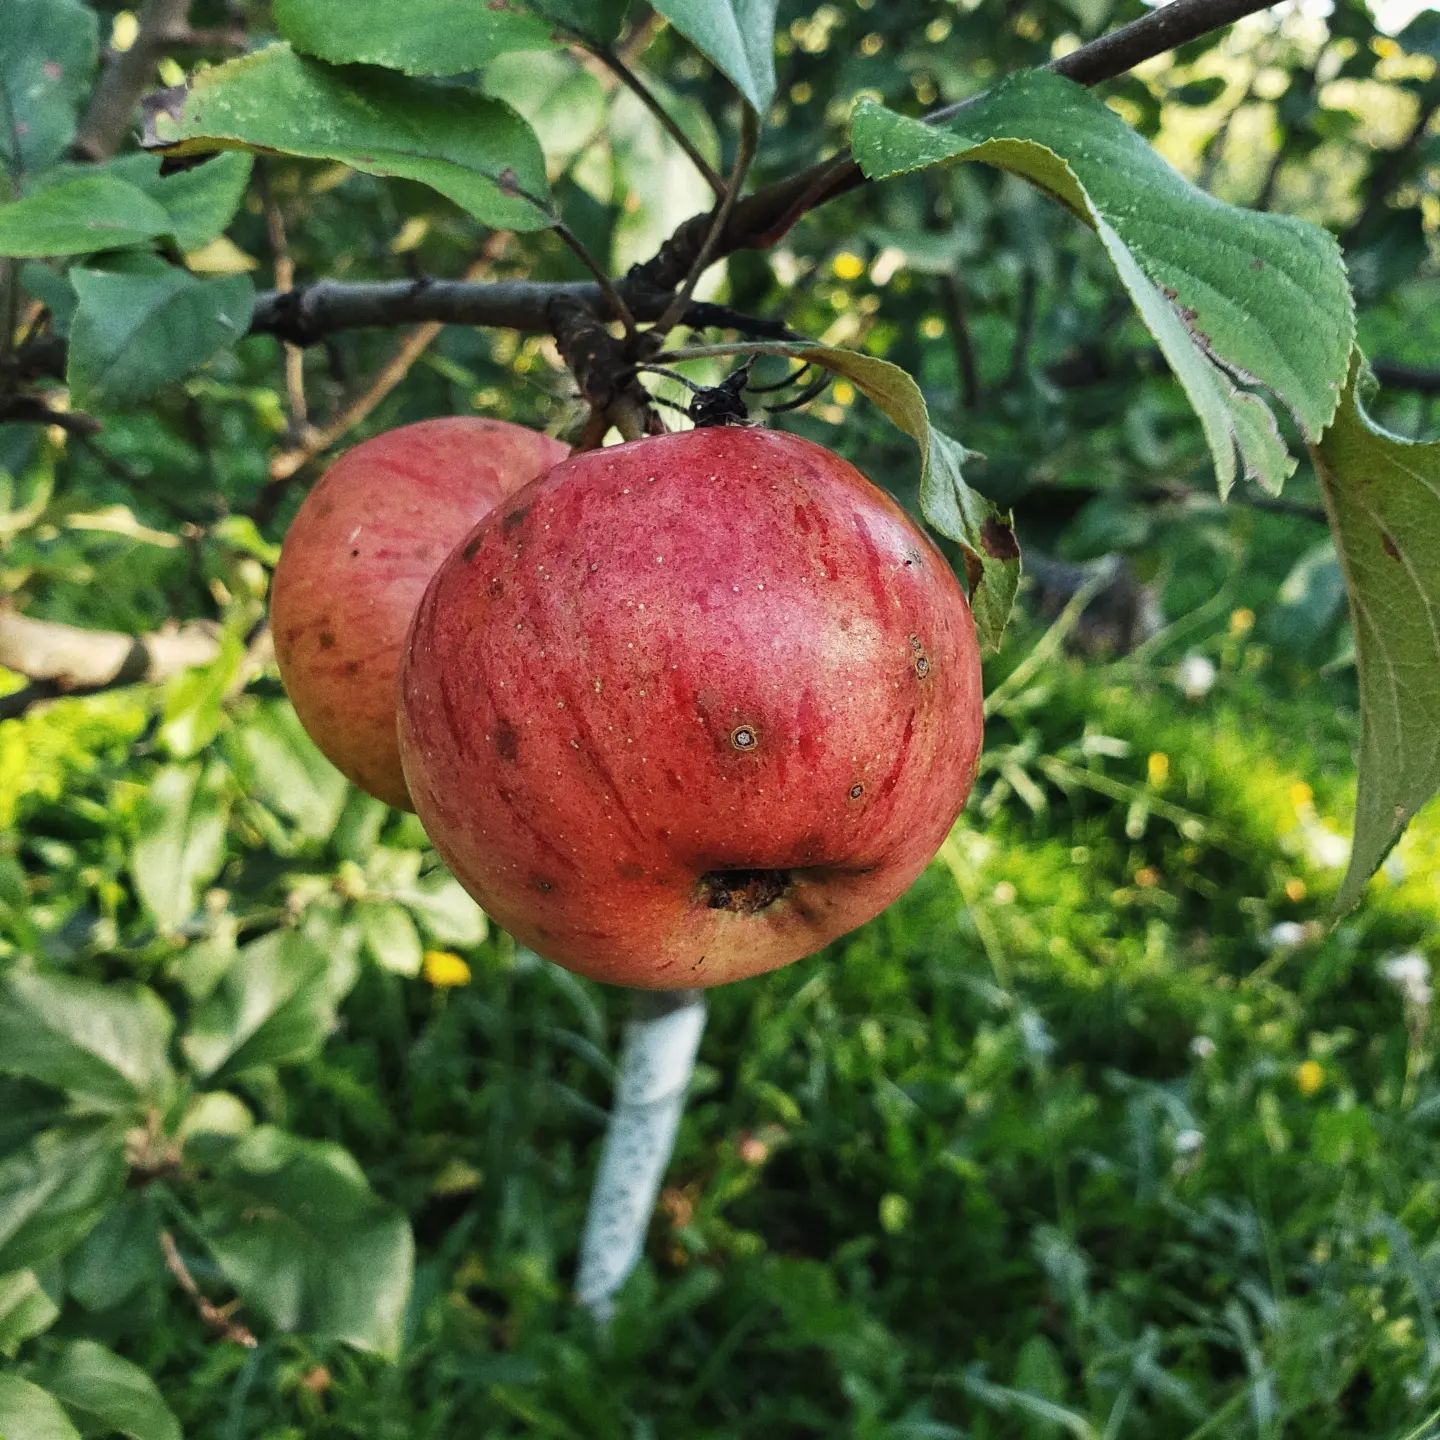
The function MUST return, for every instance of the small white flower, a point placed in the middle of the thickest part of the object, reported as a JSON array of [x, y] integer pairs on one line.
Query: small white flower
[[1410, 975], [1195, 675], [1327, 847], [1187, 1142], [1202, 1047], [1286, 935]]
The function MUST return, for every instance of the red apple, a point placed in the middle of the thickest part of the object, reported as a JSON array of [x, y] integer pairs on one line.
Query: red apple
[[356, 561], [687, 709]]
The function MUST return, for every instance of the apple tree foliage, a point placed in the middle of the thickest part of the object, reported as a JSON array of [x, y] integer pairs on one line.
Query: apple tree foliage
[[136, 346]]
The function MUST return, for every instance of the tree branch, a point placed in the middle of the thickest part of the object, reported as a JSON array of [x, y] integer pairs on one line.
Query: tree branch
[[1164, 28], [307, 315], [355, 410], [127, 76], [68, 660]]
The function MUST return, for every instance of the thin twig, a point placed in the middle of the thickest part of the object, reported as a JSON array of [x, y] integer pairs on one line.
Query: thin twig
[[35, 410], [360, 406], [744, 154], [952, 297], [651, 101], [284, 267], [127, 75], [1024, 327], [612, 296], [1164, 28], [216, 1317]]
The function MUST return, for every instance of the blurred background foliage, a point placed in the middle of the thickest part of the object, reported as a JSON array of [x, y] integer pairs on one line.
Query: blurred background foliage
[[1101, 1132]]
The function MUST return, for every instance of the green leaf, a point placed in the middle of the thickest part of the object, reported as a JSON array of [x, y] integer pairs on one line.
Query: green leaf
[[598, 20], [29, 1413], [200, 201], [181, 844], [110, 1394], [564, 104], [449, 915], [79, 217], [105, 1044], [272, 1006], [290, 774], [195, 700], [303, 1238], [1226, 292], [391, 937], [950, 506], [473, 150], [421, 37], [54, 1190], [736, 36], [1382, 495], [141, 324], [27, 1308], [117, 1256], [47, 52]]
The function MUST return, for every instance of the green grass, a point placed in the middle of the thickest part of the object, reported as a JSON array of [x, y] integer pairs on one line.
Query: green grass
[[1064, 1144]]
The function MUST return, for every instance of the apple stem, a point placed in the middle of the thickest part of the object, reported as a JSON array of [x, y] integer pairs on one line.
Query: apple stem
[[657, 1059]]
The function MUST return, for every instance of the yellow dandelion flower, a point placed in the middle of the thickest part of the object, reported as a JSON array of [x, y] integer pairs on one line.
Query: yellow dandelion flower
[[1242, 621], [844, 392], [1295, 890], [1302, 797], [1309, 1076], [847, 265], [445, 970], [1157, 768]]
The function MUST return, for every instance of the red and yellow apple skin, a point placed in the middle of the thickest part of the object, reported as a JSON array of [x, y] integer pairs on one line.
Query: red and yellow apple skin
[[687, 709], [356, 560]]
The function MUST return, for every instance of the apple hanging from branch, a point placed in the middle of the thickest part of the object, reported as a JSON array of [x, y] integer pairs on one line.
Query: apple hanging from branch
[[689, 708]]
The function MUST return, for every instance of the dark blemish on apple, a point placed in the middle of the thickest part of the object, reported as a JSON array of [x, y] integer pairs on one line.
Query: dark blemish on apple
[[543, 885], [352, 667], [629, 870], [327, 640], [743, 737], [856, 791], [506, 740], [471, 547], [514, 519], [743, 892], [497, 588], [922, 666], [354, 554]]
